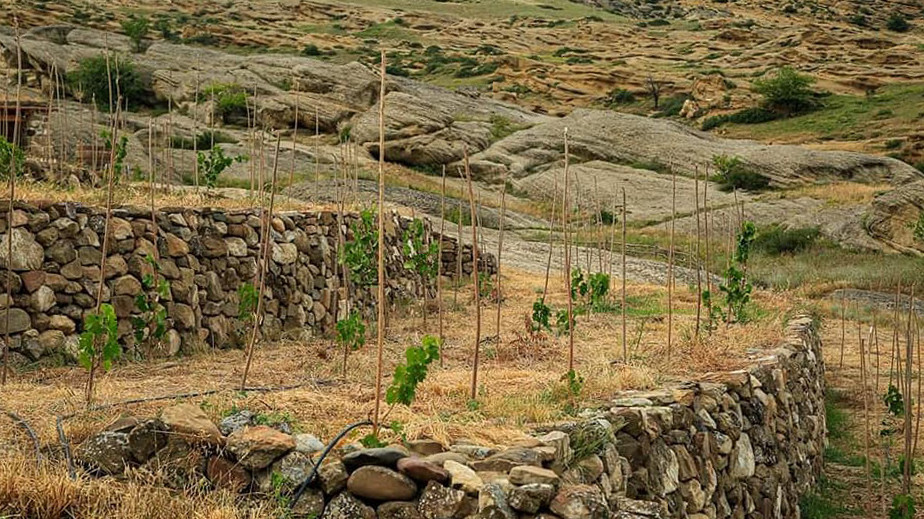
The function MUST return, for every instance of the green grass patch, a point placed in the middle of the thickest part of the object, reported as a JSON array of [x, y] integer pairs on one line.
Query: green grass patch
[[843, 116]]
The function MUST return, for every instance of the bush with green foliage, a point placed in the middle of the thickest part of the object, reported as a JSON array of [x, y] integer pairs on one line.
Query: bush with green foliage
[[619, 96], [230, 100], [672, 106], [917, 228], [753, 115], [898, 23], [136, 28], [11, 158], [732, 174], [776, 239], [91, 79], [902, 507], [213, 163], [787, 91], [247, 301]]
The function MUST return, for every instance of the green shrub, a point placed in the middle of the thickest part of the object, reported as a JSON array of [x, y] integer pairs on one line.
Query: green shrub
[[230, 99], [213, 163], [753, 115], [619, 96], [731, 174], [776, 239], [671, 106], [787, 91], [898, 23], [91, 80], [11, 158], [202, 141], [136, 28]]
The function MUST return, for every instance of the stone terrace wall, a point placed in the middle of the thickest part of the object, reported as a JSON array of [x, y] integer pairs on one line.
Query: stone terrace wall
[[205, 254], [747, 445]]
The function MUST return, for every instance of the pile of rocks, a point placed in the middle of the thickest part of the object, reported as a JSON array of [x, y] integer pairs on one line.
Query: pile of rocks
[[206, 255], [748, 444]]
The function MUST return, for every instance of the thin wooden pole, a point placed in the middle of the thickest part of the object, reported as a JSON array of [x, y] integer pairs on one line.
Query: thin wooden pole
[[439, 263], [294, 138], [670, 266], [500, 249], [909, 407], [477, 291], [317, 137], [866, 434], [380, 324], [566, 224], [548, 262], [699, 270], [9, 214], [625, 347], [843, 328], [455, 294], [267, 246], [706, 228]]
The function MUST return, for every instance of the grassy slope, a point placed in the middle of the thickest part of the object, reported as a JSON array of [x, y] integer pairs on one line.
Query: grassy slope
[[847, 117]]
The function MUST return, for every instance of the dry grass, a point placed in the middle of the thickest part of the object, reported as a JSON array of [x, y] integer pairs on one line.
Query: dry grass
[[840, 193], [45, 491], [520, 384]]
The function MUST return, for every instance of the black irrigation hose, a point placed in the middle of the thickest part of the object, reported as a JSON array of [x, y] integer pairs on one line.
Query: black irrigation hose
[[324, 453], [65, 444], [18, 420]]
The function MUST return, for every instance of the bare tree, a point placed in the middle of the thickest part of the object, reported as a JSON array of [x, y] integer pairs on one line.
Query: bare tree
[[653, 87]]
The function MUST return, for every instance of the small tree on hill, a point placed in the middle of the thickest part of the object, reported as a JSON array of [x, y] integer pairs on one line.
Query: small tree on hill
[[787, 91], [898, 23], [92, 79], [136, 28]]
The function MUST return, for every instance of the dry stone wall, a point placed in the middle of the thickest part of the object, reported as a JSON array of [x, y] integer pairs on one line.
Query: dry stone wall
[[748, 444], [206, 255]]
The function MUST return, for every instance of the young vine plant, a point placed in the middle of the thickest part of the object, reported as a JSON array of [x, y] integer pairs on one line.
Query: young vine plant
[[151, 324], [213, 163], [98, 345], [360, 253], [736, 287]]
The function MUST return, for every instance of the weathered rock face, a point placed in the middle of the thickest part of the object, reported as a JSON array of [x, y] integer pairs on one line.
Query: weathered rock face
[[624, 139], [206, 256], [892, 217]]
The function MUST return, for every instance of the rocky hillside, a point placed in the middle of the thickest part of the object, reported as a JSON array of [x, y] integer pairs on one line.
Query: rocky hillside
[[428, 126]]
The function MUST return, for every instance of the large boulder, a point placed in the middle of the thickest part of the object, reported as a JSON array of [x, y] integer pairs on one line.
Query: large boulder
[[257, 447], [191, 424], [28, 254], [381, 484], [621, 138], [893, 215]]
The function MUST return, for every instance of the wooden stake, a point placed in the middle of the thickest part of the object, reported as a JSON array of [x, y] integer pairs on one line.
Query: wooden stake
[[699, 270], [267, 247], [471, 202], [548, 262], [843, 327], [9, 214], [567, 238], [500, 248], [317, 137], [866, 435], [909, 407], [380, 324], [439, 263], [625, 347], [706, 228], [294, 138], [670, 266], [455, 294]]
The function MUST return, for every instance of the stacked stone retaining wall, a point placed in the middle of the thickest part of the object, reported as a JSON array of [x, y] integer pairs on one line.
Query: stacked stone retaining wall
[[206, 255]]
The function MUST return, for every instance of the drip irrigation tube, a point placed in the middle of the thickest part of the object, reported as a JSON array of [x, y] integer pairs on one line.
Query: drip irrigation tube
[[60, 419], [324, 453], [18, 420]]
